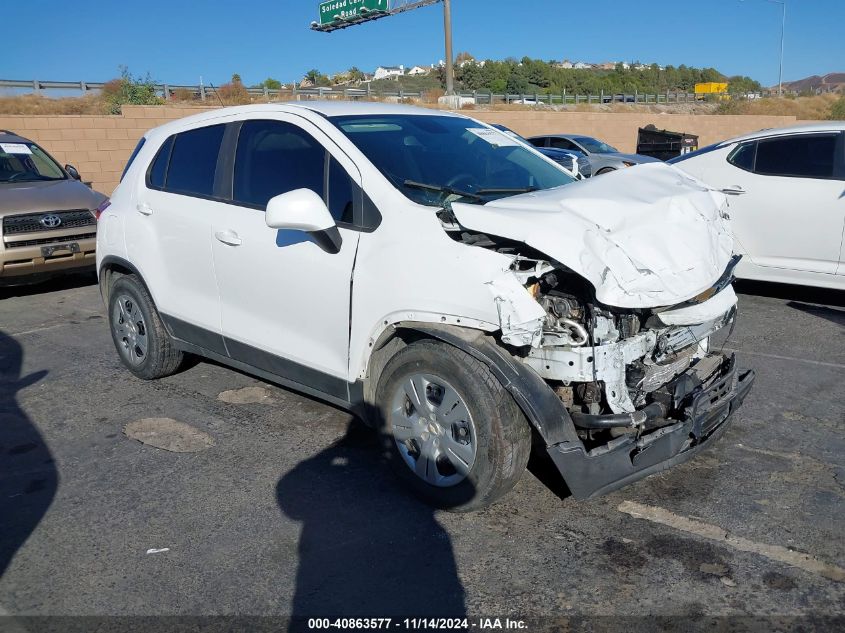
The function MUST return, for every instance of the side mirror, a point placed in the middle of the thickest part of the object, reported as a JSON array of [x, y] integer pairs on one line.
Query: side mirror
[[71, 170], [304, 210]]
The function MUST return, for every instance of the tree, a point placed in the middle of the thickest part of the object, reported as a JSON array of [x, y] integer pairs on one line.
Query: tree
[[464, 57], [270, 84], [313, 76], [236, 78], [356, 74]]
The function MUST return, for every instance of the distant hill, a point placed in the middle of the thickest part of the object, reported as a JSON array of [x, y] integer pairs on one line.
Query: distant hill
[[831, 82]]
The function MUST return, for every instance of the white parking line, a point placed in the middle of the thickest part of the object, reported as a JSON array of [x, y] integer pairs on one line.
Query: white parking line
[[715, 533], [792, 358]]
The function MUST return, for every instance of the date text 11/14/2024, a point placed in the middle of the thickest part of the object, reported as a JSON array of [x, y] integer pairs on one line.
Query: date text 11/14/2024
[[417, 624]]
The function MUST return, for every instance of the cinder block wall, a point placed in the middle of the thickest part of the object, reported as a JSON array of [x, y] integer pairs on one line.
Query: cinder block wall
[[99, 146], [620, 129]]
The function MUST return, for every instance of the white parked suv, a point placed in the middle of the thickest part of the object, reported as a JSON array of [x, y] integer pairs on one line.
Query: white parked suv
[[447, 283], [787, 200]]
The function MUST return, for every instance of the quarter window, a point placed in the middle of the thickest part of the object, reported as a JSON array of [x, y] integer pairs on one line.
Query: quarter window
[[158, 170], [193, 161], [743, 156], [133, 156], [805, 156], [538, 142]]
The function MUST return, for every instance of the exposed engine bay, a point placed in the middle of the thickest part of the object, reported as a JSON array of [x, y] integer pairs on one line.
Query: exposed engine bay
[[613, 368]]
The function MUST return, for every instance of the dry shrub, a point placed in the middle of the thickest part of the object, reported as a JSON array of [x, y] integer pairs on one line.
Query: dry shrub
[[431, 96], [811, 108], [37, 104], [182, 95], [233, 93]]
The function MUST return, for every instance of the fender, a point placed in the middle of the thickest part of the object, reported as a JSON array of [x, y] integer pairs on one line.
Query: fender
[[114, 260], [538, 402]]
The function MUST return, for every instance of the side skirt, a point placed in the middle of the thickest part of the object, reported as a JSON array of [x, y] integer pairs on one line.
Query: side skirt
[[282, 371]]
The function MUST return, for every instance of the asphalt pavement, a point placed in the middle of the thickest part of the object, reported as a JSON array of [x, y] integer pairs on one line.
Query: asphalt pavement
[[280, 505]]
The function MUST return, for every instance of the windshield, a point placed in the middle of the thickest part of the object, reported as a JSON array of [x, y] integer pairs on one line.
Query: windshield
[[594, 146], [436, 159], [26, 162]]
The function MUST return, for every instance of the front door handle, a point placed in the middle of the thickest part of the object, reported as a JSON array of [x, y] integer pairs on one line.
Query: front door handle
[[228, 237], [144, 209], [734, 190]]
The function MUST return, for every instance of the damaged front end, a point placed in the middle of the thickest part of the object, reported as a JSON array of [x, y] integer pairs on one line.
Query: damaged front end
[[617, 310], [641, 385]]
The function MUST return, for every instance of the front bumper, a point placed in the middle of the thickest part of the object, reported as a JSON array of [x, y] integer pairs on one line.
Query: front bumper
[[61, 254], [626, 459]]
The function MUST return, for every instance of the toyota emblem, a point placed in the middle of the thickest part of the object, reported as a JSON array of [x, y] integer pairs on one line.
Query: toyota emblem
[[50, 221]]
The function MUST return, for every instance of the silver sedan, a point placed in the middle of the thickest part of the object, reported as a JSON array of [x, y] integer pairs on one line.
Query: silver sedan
[[603, 157]]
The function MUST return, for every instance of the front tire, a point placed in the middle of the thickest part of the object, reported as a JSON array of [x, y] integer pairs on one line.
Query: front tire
[[450, 429], [605, 170], [142, 342]]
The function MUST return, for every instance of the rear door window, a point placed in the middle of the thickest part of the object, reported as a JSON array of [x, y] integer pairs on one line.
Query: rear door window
[[801, 156], [193, 161], [562, 143], [538, 142]]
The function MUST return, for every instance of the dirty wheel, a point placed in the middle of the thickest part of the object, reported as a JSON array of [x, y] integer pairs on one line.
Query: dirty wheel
[[453, 433], [139, 336]]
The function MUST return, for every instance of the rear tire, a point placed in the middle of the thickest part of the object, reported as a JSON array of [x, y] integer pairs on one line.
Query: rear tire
[[449, 428], [605, 170], [141, 340]]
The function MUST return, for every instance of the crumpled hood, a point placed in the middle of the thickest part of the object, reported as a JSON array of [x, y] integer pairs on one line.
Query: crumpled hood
[[645, 237], [43, 196]]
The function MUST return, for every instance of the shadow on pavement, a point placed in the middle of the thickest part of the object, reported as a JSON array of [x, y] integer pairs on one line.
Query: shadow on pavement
[[28, 475], [53, 284], [835, 315], [805, 294], [367, 548]]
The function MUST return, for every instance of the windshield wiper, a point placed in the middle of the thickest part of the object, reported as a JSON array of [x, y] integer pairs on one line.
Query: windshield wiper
[[441, 189], [513, 190]]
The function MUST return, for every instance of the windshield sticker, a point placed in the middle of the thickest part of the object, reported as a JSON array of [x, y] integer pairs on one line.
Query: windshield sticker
[[15, 148], [494, 137]]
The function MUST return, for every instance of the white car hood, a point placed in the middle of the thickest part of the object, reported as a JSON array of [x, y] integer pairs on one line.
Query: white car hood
[[645, 237]]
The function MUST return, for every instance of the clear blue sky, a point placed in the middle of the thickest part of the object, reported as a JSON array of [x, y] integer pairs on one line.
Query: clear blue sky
[[179, 40]]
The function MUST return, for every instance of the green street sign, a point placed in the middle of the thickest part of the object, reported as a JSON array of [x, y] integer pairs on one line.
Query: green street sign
[[339, 10]]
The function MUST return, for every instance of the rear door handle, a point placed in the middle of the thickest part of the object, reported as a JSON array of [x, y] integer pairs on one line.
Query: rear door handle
[[228, 237], [734, 190], [144, 209]]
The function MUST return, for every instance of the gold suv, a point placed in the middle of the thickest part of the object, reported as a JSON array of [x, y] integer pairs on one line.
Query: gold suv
[[48, 218]]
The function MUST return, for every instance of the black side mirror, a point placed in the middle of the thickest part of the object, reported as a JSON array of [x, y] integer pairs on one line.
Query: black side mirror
[[71, 170]]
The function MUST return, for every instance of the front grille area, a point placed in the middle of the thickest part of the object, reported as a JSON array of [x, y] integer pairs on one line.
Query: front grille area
[[31, 222], [51, 240]]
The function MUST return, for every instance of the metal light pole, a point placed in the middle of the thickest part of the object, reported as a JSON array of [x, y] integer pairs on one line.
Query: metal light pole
[[782, 31], [447, 29], [782, 4]]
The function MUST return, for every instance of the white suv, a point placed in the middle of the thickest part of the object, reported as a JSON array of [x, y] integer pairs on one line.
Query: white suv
[[449, 284]]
